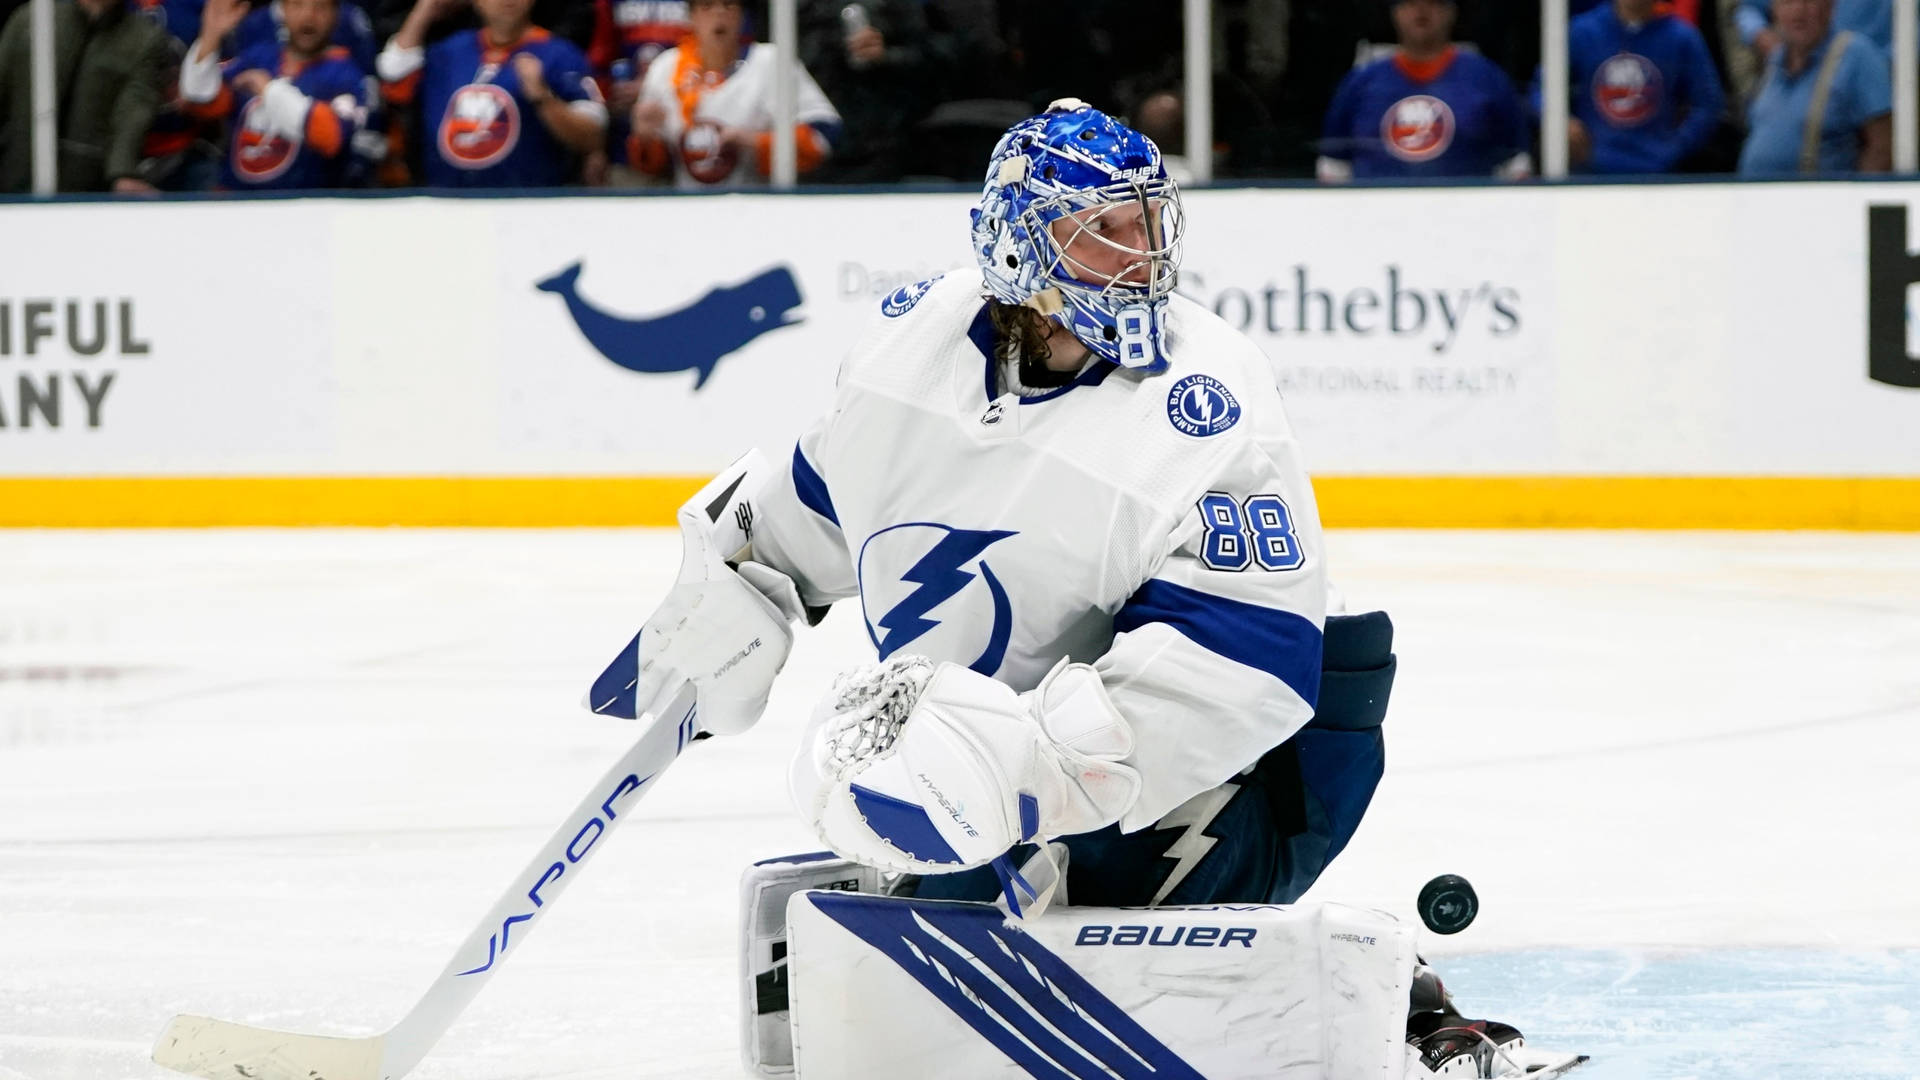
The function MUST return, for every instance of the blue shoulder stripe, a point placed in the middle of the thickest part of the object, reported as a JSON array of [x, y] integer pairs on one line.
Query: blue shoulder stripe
[[812, 489], [1280, 643]]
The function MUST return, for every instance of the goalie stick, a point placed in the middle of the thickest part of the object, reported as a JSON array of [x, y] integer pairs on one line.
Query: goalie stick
[[221, 1050]]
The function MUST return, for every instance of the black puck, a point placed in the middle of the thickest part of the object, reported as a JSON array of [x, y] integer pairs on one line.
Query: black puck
[[1448, 904]]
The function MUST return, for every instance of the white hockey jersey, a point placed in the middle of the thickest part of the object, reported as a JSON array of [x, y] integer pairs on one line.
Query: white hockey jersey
[[1158, 527]]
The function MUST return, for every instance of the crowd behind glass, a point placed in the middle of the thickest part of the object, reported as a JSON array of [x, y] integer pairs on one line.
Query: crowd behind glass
[[231, 95]]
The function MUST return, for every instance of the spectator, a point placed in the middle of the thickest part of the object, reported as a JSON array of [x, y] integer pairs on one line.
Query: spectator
[[627, 36], [880, 67], [1646, 94], [179, 18], [1824, 104], [109, 67], [1686, 9], [705, 112], [1428, 110], [292, 111], [507, 105], [178, 153], [635, 31], [569, 19], [1870, 19], [1162, 117], [352, 30]]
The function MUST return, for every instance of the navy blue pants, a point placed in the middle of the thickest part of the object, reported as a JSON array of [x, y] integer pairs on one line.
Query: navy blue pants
[[1284, 822]]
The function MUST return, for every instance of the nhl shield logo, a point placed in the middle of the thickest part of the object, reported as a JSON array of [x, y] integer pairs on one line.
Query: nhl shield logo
[[482, 126], [1417, 128], [260, 155], [1626, 89]]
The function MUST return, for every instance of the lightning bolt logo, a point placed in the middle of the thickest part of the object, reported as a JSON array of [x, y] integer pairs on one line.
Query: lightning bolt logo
[[1194, 815], [939, 575]]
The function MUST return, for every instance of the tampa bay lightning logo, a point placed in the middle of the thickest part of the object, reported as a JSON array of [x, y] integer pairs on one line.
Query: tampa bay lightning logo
[[901, 300], [1201, 405], [695, 337], [929, 587]]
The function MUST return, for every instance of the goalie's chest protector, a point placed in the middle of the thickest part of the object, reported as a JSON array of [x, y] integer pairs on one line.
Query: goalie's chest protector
[[1000, 532]]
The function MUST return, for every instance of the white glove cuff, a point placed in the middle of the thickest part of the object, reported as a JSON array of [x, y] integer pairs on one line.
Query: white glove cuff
[[199, 76], [1074, 708], [395, 63], [285, 109]]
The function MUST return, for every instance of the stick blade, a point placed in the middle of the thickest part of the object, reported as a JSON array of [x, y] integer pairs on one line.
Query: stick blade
[[219, 1050]]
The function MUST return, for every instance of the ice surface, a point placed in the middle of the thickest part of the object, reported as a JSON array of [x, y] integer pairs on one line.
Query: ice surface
[[275, 776]]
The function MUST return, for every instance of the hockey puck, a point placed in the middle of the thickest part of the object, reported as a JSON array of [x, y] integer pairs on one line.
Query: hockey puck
[[1448, 904]]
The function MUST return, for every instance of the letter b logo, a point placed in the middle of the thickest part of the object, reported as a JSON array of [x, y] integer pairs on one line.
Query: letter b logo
[[1891, 268]]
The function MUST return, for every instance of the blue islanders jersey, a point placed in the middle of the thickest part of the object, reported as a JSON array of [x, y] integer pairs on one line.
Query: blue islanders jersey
[[478, 127], [1458, 115], [1160, 528], [261, 159], [1649, 95]]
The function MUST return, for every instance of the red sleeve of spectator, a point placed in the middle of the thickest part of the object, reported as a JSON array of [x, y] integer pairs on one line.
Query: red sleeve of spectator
[[401, 92], [809, 146], [605, 47], [220, 106], [323, 129]]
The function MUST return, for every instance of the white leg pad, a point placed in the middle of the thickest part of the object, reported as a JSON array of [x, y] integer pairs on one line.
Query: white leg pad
[[884, 986], [765, 1044]]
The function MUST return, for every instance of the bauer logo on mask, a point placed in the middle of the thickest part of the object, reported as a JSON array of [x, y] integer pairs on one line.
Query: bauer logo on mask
[[926, 588]]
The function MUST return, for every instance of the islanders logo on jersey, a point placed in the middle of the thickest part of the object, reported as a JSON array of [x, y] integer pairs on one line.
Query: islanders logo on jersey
[[901, 300], [928, 588], [259, 154], [1626, 89], [481, 126], [706, 154], [1201, 405], [1418, 128]]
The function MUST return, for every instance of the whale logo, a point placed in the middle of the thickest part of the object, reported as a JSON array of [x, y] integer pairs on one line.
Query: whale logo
[[693, 338]]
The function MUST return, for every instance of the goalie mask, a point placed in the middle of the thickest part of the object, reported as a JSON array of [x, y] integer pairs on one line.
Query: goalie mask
[[1079, 221]]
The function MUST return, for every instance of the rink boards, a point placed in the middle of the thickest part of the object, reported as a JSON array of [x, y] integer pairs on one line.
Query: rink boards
[[1692, 356]]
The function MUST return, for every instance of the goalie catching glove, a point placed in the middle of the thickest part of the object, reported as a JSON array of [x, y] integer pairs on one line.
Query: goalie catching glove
[[929, 769]]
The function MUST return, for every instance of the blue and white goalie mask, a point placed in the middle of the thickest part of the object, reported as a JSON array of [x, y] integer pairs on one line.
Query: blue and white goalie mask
[[1079, 222]]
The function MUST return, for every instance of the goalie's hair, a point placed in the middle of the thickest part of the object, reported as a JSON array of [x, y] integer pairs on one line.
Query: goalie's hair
[[1020, 332]]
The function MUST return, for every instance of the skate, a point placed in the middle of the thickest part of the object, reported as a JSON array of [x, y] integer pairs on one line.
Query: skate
[[1441, 1042]]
